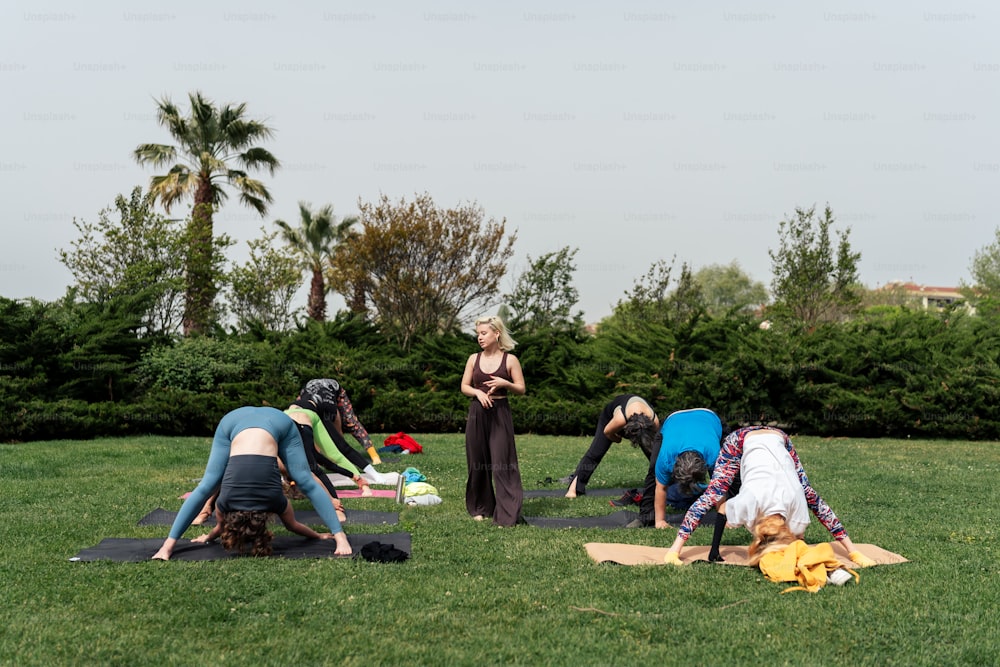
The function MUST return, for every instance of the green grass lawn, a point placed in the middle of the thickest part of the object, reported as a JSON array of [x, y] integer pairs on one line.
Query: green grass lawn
[[474, 594]]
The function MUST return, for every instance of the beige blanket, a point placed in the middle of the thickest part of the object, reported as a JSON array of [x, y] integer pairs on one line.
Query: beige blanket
[[636, 554]]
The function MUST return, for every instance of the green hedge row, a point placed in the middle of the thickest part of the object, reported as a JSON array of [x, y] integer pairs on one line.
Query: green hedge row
[[890, 372]]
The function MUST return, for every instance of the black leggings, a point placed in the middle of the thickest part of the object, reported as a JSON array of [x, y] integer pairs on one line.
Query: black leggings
[[328, 415], [306, 433], [599, 446], [351, 454], [720, 524]]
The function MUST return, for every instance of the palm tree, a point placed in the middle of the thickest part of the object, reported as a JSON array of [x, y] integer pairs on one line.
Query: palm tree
[[215, 148], [313, 240]]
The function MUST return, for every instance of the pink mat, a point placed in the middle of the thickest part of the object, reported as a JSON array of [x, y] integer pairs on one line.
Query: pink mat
[[356, 493]]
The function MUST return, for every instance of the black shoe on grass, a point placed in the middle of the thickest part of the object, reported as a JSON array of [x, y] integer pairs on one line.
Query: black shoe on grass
[[631, 497]]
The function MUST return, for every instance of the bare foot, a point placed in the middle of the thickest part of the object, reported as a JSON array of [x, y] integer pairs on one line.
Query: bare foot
[[479, 517], [343, 546], [571, 492], [164, 551]]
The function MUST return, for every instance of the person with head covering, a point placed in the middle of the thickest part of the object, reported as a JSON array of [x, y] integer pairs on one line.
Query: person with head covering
[[324, 406], [331, 401]]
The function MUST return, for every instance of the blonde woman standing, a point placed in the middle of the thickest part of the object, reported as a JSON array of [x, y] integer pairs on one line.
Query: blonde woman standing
[[494, 485]]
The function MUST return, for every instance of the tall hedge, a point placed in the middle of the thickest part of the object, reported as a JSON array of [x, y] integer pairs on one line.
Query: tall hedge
[[889, 372]]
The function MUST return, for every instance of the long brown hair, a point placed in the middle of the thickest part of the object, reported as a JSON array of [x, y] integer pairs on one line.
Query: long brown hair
[[246, 532], [770, 533]]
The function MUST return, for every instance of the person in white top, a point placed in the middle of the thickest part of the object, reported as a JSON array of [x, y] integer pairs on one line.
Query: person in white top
[[769, 485]]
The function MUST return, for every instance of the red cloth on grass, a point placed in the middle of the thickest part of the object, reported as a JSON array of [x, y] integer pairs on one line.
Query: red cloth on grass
[[406, 442]]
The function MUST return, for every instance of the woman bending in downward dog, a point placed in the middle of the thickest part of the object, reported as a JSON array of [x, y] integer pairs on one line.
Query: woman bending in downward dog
[[774, 499], [329, 399], [321, 449], [306, 433], [626, 415], [243, 466]]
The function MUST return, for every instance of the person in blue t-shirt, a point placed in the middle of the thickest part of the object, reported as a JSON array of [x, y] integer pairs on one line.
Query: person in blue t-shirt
[[680, 464]]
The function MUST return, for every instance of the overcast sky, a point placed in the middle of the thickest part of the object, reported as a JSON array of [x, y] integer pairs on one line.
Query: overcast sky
[[634, 131]]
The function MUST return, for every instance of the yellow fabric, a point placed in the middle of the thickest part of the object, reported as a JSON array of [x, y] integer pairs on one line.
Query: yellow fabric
[[806, 564]]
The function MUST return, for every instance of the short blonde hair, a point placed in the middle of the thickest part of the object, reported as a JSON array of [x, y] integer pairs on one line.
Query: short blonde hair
[[505, 342]]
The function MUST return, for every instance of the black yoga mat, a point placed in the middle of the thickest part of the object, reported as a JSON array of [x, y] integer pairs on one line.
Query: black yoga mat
[[132, 550], [616, 520], [162, 517], [552, 493]]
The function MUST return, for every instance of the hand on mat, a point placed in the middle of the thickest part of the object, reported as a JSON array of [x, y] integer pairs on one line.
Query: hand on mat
[[861, 560], [673, 558], [201, 539]]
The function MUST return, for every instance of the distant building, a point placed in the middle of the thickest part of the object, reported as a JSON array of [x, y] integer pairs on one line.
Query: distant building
[[928, 297]]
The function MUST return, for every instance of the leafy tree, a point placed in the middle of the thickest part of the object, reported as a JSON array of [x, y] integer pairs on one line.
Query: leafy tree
[[810, 283], [653, 300], [984, 293], [685, 304], [261, 291], [544, 294], [140, 252], [422, 268], [727, 288], [646, 301], [215, 148], [313, 240]]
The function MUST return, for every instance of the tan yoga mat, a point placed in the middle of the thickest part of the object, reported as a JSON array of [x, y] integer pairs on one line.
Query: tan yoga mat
[[637, 554]]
